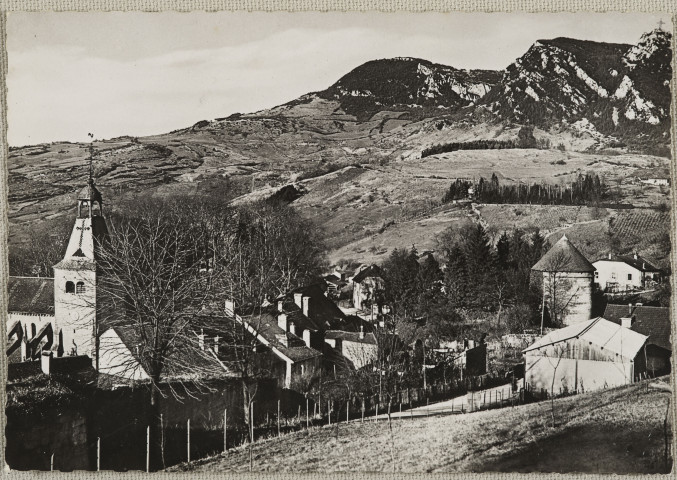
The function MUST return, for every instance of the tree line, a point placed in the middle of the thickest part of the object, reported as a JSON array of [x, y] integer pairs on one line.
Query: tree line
[[588, 189], [525, 139]]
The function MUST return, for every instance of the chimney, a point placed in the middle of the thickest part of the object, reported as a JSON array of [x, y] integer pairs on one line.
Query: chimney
[[292, 328], [216, 344], [230, 307], [635, 255], [306, 305], [361, 332], [201, 339], [282, 338], [280, 305], [297, 299], [282, 321], [46, 362], [626, 322], [306, 337]]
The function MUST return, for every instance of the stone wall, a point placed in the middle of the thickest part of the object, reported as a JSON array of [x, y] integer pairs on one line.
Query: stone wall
[[33, 439]]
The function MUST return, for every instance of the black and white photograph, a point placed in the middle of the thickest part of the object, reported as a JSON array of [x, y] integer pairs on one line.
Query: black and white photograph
[[339, 242]]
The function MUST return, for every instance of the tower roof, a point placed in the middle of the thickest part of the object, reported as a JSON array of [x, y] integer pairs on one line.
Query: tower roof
[[90, 193], [563, 257]]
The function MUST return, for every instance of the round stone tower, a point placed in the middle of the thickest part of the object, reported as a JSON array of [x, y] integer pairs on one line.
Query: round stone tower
[[567, 283]]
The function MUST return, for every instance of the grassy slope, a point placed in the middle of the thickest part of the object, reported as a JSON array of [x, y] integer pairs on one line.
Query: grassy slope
[[619, 430]]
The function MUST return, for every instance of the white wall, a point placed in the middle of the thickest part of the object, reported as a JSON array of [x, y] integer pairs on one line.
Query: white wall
[[573, 374], [75, 313], [617, 272], [360, 354], [116, 359]]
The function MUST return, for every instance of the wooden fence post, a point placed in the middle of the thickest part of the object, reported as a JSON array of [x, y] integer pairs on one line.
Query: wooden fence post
[[188, 438], [148, 449], [307, 418], [225, 429], [329, 412], [376, 416], [98, 454], [51, 463], [362, 409], [278, 418], [348, 411]]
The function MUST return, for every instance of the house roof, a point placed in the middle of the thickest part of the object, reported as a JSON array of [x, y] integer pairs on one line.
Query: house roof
[[369, 338], [370, 271], [31, 295], [563, 257], [323, 314], [653, 322], [184, 361], [265, 326], [598, 331], [636, 261]]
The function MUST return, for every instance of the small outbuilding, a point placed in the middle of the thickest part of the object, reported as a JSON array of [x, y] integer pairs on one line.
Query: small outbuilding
[[585, 356]]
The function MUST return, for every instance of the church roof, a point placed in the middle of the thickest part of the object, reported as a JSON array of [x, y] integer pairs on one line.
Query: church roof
[[32, 295], [90, 193], [563, 257]]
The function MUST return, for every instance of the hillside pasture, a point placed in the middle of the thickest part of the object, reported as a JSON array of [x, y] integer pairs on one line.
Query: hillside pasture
[[614, 431]]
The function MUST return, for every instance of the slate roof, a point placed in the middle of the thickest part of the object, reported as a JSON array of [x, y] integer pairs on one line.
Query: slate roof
[[296, 350], [653, 322], [369, 338], [640, 263], [323, 314], [370, 271], [598, 331], [563, 257], [31, 295]]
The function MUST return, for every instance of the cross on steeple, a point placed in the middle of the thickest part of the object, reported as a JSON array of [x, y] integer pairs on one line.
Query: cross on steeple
[[91, 156], [660, 24]]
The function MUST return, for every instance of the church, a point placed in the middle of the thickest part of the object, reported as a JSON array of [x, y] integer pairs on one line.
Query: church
[[59, 314]]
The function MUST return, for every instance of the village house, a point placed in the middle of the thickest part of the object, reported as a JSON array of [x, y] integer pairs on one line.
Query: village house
[[585, 356], [616, 273], [367, 285], [358, 348], [654, 322], [568, 277]]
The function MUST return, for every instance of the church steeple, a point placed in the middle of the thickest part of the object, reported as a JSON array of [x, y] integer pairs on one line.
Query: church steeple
[[75, 277], [89, 197]]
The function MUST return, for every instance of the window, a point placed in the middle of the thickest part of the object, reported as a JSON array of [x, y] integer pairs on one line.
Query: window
[[629, 276], [70, 287], [613, 275], [80, 287], [596, 274]]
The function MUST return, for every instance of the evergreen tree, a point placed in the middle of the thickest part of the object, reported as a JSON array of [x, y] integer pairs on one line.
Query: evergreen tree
[[456, 277], [503, 251]]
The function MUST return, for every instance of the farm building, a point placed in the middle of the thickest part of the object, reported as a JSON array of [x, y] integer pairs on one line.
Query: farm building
[[625, 272], [654, 322], [567, 283], [585, 356]]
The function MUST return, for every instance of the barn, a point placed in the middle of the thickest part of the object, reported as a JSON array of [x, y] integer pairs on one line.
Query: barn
[[585, 356]]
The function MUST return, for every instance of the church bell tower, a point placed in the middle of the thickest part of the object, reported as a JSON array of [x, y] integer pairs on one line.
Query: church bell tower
[[75, 277]]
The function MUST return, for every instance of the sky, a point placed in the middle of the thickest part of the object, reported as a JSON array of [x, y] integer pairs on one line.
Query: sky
[[139, 74]]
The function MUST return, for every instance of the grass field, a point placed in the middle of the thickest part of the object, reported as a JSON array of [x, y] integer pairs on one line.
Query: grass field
[[619, 430]]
